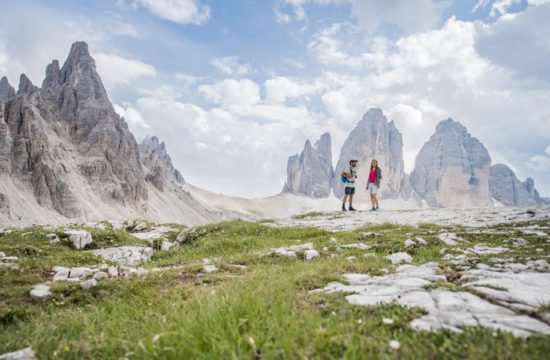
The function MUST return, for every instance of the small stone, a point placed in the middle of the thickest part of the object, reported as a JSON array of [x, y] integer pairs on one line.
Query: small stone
[[2, 254], [183, 237], [387, 321], [325, 248], [520, 241], [366, 235], [40, 291], [394, 344], [141, 272], [80, 273], [88, 284], [285, 252], [449, 239], [311, 254], [112, 271], [399, 258], [52, 238], [409, 243], [209, 268], [9, 259], [350, 258], [359, 246], [61, 273], [79, 238], [140, 226], [23, 354], [166, 245], [332, 240], [100, 275], [421, 241]]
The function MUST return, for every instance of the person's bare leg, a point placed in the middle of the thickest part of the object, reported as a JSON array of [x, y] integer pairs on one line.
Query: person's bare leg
[[376, 200], [344, 202], [372, 199], [350, 202]]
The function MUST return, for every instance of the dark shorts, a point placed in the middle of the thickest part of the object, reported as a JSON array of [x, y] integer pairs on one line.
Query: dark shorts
[[349, 190]]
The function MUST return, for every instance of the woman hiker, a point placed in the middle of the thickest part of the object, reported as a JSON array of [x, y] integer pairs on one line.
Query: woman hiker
[[375, 175]]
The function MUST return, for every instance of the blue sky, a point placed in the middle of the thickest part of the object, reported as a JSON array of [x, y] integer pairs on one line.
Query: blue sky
[[235, 87]]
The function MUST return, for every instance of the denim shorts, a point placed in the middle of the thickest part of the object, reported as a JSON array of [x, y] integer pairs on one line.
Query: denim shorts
[[349, 190], [373, 189]]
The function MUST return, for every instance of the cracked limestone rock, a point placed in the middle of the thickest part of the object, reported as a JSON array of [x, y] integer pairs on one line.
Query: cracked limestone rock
[[40, 291], [79, 238], [125, 255], [23, 354], [399, 258], [445, 309]]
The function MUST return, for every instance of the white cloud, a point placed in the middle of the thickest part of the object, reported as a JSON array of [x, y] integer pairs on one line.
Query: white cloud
[[48, 34], [230, 65], [408, 16], [187, 80], [520, 43], [116, 70], [501, 7], [224, 148], [179, 11], [134, 119], [232, 93], [372, 14], [541, 162], [280, 89]]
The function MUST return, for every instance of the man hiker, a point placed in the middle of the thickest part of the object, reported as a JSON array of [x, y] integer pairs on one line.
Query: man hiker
[[348, 178], [375, 175]]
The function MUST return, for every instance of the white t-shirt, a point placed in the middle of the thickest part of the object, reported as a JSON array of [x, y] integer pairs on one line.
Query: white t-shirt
[[353, 172]]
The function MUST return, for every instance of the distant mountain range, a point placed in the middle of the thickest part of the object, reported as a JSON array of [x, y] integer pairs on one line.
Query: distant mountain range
[[453, 168], [65, 155]]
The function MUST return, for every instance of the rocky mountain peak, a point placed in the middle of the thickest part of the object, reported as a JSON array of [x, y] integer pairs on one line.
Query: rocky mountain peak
[[52, 75], [450, 126], [311, 172], [6, 90], [373, 138], [452, 168], [508, 190], [26, 86], [157, 163], [80, 79]]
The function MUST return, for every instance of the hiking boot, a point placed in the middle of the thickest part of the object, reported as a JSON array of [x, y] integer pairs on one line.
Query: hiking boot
[[376, 208], [343, 208], [351, 208], [373, 209]]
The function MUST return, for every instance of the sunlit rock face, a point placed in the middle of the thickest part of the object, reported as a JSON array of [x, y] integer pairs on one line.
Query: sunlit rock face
[[452, 169]]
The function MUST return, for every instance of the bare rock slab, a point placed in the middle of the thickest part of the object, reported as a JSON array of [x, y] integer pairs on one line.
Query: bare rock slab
[[527, 289], [125, 255], [446, 309], [23, 354]]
